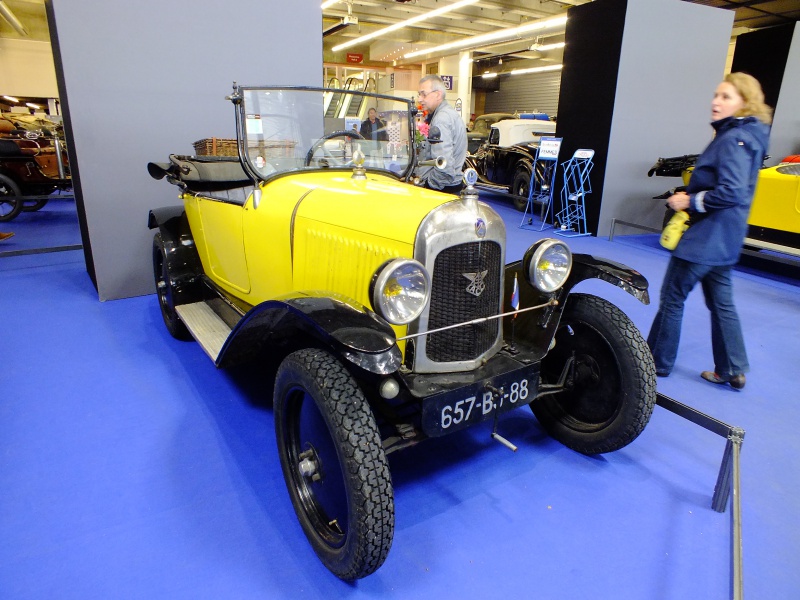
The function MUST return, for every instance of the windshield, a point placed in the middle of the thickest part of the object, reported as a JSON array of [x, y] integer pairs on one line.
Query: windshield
[[294, 129]]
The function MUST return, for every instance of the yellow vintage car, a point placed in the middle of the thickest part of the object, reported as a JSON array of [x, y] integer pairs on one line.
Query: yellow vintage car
[[387, 310]]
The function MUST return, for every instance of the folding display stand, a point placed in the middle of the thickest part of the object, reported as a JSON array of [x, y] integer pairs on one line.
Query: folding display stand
[[728, 480], [572, 216], [543, 177]]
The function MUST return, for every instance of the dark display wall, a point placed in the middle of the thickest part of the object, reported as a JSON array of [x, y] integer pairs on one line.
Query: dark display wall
[[773, 57], [632, 93]]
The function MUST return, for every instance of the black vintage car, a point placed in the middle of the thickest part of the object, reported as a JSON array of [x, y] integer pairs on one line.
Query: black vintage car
[[505, 162]]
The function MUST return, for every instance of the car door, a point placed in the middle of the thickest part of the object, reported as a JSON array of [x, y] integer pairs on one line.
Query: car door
[[222, 230]]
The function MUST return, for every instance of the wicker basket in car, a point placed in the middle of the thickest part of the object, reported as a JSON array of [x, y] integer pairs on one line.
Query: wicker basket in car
[[216, 147]]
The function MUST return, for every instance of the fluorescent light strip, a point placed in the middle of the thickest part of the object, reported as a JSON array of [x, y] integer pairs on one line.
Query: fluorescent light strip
[[549, 47], [406, 23], [500, 34], [11, 98], [329, 3], [536, 70]]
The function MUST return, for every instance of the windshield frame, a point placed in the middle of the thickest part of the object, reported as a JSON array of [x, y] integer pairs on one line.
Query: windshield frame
[[238, 99]]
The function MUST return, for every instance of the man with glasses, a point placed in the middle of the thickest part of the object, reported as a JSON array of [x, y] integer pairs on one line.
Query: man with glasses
[[453, 146]]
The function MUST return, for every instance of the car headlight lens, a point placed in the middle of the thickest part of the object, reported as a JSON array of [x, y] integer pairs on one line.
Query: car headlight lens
[[548, 264], [400, 291]]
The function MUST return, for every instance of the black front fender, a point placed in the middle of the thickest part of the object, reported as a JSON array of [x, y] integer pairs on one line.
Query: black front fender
[[288, 323], [183, 263], [534, 329], [586, 266]]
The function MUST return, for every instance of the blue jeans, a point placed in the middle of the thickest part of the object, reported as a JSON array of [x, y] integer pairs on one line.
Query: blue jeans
[[727, 343]]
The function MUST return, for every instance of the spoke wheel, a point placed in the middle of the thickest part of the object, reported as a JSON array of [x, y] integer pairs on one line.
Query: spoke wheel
[[165, 292], [333, 463], [11, 203], [611, 391]]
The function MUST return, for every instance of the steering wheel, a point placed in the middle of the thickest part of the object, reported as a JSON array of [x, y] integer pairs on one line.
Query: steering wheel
[[320, 143]]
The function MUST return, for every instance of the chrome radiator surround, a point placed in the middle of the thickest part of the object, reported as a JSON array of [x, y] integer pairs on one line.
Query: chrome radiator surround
[[455, 224]]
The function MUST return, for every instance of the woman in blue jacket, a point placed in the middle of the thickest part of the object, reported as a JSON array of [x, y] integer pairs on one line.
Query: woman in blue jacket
[[718, 199]]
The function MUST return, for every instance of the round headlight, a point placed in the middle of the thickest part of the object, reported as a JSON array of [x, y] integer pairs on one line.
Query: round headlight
[[548, 265], [401, 290]]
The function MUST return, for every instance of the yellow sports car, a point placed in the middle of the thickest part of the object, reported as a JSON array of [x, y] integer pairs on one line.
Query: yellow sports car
[[387, 310]]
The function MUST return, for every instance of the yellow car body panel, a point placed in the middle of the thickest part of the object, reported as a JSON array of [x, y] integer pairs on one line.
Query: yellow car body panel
[[776, 203], [307, 232]]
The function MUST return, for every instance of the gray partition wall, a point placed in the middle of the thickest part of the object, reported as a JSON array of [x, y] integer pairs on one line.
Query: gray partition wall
[[637, 84], [140, 80]]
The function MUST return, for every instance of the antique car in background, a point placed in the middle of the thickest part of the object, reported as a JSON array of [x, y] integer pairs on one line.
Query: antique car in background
[[386, 311], [505, 162], [32, 163], [481, 129], [774, 220]]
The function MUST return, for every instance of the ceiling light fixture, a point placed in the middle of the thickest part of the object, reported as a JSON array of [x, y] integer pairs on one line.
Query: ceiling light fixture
[[536, 70], [12, 19], [329, 3], [11, 98], [545, 47], [32, 105], [406, 23], [489, 75], [494, 36]]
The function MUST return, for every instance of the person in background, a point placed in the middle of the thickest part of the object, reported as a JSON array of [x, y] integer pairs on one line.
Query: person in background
[[373, 128], [5, 236], [453, 134], [718, 200]]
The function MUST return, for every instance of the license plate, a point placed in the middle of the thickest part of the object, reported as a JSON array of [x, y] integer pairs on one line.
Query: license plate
[[460, 408]]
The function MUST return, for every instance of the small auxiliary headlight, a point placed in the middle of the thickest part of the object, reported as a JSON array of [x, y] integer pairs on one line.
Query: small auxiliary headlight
[[400, 290], [548, 264]]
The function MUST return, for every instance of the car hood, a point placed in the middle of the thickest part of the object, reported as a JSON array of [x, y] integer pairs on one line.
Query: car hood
[[379, 205]]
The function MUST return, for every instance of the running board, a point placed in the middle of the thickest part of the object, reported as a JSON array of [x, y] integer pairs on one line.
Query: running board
[[206, 327]]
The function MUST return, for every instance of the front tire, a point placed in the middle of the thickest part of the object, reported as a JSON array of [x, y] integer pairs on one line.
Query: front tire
[[333, 463], [611, 395], [11, 203]]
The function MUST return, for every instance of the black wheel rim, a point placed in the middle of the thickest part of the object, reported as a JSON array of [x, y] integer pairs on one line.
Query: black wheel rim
[[322, 492], [595, 397], [163, 287]]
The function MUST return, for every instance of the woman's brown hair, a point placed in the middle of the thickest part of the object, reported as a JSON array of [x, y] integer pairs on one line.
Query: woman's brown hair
[[750, 90]]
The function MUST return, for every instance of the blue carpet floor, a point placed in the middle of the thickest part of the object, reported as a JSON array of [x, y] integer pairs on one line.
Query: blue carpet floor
[[54, 225], [131, 468]]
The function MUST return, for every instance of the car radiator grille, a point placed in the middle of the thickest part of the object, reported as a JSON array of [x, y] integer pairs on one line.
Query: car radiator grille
[[451, 302]]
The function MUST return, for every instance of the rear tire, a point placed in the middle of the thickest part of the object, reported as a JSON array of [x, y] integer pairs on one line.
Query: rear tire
[[613, 391], [11, 203], [165, 292], [520, 189], [333, 463]]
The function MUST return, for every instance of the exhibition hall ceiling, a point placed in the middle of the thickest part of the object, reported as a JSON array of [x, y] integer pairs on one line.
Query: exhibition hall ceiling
[[345, 21]]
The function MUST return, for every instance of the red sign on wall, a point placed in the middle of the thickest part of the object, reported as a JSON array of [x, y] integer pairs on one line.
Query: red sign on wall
[[354, 58]]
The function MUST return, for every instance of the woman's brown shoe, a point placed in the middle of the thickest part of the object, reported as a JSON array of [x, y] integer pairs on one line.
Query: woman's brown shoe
[[737, 381]]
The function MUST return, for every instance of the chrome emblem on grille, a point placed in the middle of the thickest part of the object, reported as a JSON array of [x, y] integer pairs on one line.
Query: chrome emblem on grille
[[480, 228], [476, 285]]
